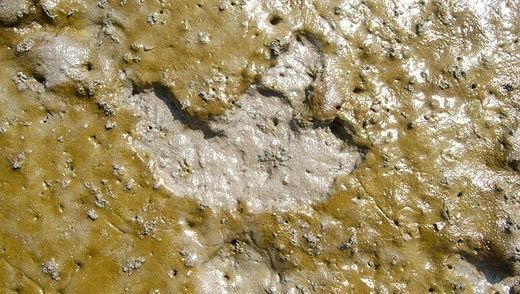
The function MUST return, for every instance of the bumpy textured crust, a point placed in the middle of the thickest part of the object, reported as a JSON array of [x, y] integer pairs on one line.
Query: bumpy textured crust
[[425, 92]]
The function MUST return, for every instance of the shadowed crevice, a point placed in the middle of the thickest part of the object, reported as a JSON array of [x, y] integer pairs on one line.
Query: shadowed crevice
[[494, 269], [178, 113]]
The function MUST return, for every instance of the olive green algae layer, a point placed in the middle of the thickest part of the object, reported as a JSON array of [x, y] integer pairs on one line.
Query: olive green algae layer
[[427, 90]]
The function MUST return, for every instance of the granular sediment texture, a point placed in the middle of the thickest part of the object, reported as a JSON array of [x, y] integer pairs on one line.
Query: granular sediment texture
[[259, 146]]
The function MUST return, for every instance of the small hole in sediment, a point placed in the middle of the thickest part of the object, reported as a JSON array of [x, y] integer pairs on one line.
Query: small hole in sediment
[[276, 20]]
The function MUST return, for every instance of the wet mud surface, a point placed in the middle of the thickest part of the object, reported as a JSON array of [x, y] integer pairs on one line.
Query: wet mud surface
[[259, 146]]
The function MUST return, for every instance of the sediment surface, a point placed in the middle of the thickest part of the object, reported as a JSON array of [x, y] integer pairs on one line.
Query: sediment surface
[[259, 146]]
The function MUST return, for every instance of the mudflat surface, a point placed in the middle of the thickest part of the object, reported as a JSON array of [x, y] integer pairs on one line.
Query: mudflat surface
[[259, 146]]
